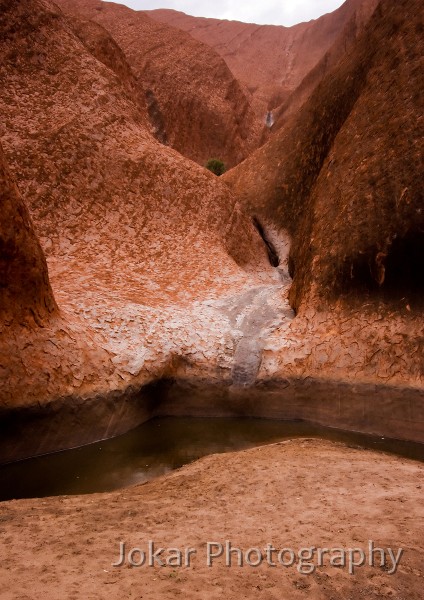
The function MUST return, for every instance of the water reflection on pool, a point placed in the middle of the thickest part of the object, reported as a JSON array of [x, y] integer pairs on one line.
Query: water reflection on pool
[[159, 446]]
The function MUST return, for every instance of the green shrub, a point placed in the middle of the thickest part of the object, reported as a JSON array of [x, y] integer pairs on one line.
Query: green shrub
[[216, 166]]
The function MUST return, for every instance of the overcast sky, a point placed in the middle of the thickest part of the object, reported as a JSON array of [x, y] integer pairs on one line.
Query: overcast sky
[[276, 12]]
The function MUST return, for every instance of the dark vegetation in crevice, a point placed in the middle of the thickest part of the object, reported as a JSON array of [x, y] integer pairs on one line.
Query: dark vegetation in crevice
[[273, 257], [215, 166]]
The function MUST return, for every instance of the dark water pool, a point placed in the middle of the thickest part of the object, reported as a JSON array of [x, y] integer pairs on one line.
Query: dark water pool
[[161, 445]]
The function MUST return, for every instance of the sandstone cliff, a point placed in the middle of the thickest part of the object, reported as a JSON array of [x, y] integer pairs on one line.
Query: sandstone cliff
[[168, 301], [25, 292], [343, 44], [128, 225], [102, 46], [269, 60], [344, 177], [195, 104]]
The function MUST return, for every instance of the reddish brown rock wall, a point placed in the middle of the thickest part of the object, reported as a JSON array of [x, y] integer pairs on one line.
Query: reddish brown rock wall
[[195, 103], [25, 292], [158, 269], [269, 60], [343, 176]]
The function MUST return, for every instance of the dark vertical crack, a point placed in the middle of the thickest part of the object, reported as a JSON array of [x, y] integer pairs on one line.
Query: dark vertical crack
[[156, 117], [273, 257]]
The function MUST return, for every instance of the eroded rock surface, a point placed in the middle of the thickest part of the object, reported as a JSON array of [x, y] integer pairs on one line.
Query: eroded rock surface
[[195, 103], [343, 178], [25, 291], [269, 60], [350, 197], [161, 272], [342, 46], [138, 239]]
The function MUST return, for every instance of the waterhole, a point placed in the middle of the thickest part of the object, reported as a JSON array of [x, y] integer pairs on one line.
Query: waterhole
[[161, 445]]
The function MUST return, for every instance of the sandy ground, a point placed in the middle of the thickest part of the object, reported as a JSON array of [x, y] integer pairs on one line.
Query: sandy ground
[[293, 494]]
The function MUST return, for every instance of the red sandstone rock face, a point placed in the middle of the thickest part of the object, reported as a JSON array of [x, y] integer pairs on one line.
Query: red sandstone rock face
[[344, 175], [103, 47], [129, 226], [158, 271], [25, 293], [269, 60], [344, 44], [195, 104], [79, 172]]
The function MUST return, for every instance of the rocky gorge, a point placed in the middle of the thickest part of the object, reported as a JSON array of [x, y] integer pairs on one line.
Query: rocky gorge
[[135, 283], [161, 296]]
